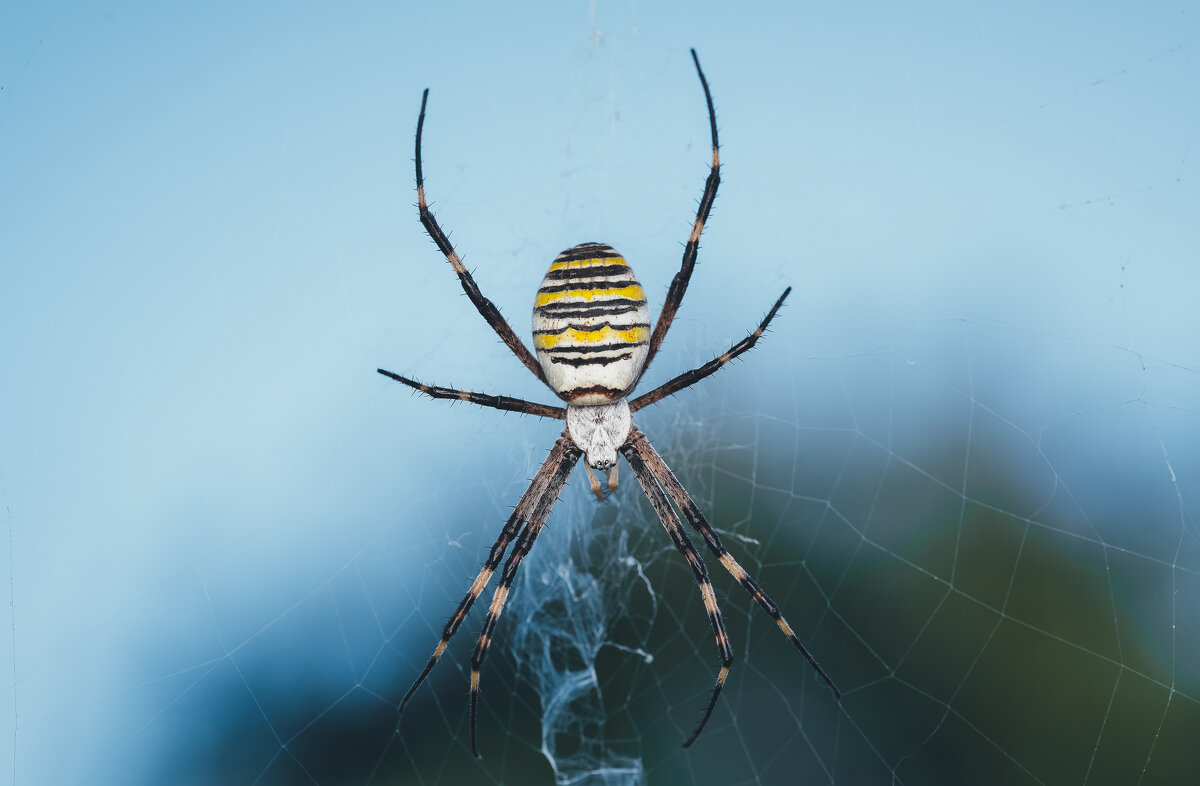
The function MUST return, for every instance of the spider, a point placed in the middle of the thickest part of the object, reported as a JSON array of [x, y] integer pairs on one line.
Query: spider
[[591, 331]]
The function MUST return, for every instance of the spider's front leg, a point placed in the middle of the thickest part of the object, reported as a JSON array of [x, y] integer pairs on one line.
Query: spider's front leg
[[670, 521], [561, 451], [556, 479], [649, 462]]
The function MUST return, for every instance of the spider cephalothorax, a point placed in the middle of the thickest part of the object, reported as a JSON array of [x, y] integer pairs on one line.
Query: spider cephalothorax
[[599, 430], [591, 332]]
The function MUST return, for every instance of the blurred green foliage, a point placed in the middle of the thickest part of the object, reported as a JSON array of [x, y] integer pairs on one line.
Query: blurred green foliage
[[973, 643]]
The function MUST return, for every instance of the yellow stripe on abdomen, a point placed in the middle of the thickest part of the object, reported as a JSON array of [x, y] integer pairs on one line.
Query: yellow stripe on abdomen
[[607, 335], [632, 292], [574, 263]]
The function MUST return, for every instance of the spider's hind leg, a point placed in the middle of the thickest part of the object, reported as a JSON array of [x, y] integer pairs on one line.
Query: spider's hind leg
[[679, 283], [486, 308]]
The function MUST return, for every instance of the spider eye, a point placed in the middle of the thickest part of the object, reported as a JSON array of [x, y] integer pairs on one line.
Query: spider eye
[[591, 325]]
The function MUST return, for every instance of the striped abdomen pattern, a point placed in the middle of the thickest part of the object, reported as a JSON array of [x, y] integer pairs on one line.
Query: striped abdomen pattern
[[591, 325]]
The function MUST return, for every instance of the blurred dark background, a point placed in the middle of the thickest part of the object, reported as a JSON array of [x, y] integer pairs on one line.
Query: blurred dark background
[[991, 617]]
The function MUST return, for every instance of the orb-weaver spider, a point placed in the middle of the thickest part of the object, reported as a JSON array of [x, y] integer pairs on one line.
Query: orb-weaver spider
[[591, 331]]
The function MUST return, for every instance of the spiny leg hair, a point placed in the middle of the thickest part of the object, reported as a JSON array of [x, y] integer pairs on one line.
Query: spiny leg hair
[[689, 378], [670, 522], [549, 495], [637, 445], [535, 491], [679, 284], [507, 403], [486, 308]]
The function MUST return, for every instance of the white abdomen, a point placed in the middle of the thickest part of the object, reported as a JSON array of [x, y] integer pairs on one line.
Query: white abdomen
[[591, 325]]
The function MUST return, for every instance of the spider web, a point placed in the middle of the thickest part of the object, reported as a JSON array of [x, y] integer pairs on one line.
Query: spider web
[[964, 462]]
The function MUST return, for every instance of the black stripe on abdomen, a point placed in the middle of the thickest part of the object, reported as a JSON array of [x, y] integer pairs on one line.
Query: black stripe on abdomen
[[601, 326], [602, 283], [574, 393], [586, 349], [591, 271], [592, 361], [587, 251], [594, 308]]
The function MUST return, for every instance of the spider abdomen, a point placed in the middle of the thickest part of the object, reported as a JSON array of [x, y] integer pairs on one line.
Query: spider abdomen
[[591, 325]]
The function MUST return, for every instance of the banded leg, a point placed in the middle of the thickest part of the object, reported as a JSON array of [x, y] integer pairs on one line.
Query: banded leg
[[670, 522], [557, 478], [536, 488], [506, 403], [639, 446], [689, 378], [486, 308], [679, 284]]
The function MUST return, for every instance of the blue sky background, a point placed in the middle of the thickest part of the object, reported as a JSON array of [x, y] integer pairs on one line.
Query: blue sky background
[[208, 245]]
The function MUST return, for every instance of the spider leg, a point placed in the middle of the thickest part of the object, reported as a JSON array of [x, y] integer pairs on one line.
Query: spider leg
[[535, 491], [556, 479], [679, 284], [670, 522], [689, 378], [638, 445], [612, 478], [482, 399], [486, 308]]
